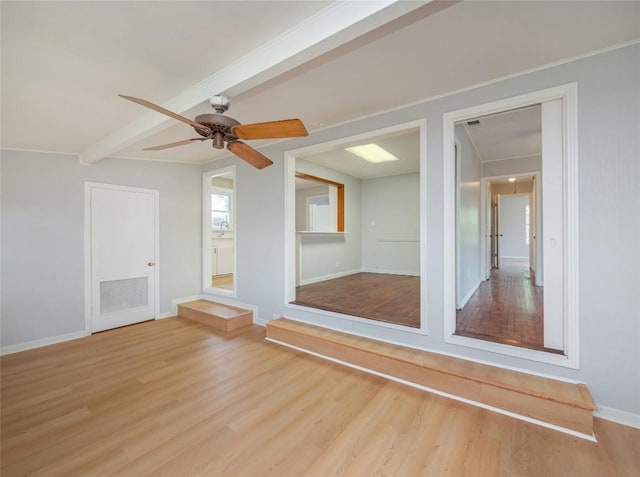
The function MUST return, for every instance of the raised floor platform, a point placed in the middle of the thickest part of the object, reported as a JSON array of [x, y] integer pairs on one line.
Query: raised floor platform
[[217, 315], [549, 402]]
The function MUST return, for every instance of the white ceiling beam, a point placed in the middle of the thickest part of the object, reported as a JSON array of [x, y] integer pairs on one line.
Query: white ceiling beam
[[334, 26]]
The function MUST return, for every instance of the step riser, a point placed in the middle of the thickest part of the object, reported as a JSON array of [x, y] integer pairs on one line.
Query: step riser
[[220, 324], [556, 413]]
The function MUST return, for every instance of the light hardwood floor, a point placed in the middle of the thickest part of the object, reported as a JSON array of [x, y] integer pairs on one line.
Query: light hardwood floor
[[173, 398]]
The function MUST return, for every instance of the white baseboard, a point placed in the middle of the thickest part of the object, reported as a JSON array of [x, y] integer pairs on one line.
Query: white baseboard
[[466, 298], [42, 342], [175, 302], [391, 272], [168, 314], [309, 281], [616, 415], [518, 259]]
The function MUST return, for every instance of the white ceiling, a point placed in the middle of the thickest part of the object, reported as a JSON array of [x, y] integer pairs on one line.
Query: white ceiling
[[63, 63], [404, 145], [508, 135]]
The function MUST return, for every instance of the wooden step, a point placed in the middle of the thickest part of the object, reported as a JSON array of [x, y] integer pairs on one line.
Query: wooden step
[[217, 315], [549, 402]]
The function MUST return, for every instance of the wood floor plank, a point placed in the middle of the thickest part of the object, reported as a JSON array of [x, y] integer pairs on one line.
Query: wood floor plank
[[172, 398], [375, 296], [507, 308]]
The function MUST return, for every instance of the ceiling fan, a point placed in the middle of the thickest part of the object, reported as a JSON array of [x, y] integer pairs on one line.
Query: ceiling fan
[[220, 129]]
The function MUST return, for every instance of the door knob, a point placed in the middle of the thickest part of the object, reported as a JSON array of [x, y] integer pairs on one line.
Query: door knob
[[151, 264]]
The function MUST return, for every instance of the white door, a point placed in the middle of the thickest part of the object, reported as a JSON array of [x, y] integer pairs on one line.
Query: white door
[[123, 255], [514, 232]]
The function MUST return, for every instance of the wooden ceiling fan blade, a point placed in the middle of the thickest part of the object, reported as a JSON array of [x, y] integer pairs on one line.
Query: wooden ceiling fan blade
[[160, 109], [271, 130], [249, 154], [174, 144]]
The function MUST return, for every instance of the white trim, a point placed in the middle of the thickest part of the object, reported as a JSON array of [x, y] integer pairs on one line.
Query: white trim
[[519, 259], [466, 298], [391, 272], [331, 276], [290, 233], [163, 316], [441, 393], [88, 185], [16, 348], [175, 302], [207, 235], [524, 156], [352, 321], [475, 148], [38, 151], [568, 93], [457, 150], [616, 415]]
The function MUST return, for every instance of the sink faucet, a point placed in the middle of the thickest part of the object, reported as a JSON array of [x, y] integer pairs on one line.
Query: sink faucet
[[224, 223]]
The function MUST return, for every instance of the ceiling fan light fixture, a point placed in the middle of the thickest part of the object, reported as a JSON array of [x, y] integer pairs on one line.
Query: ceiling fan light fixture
[[372, 153]]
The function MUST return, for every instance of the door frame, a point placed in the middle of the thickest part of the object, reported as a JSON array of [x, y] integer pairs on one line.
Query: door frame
[[485, 203], [206, 231], [568, 93], [88, 290]]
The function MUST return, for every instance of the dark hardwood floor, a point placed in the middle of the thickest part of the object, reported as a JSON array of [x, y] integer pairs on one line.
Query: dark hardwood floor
[[508, 308], [376, 296]]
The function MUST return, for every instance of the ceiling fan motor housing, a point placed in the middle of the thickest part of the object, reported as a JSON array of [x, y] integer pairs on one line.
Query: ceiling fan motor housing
[[218, 128]]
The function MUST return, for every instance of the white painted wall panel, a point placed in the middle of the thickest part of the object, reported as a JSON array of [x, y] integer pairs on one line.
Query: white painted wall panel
[[391, 224]]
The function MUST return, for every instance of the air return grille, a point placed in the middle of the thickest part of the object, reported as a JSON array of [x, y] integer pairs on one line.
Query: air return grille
[[118, 295]]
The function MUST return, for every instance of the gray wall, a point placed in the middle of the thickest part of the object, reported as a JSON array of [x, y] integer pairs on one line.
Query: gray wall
[[36, 187], [512, 166], [468, 216], [43, 237], [392, 245], [609, 218]]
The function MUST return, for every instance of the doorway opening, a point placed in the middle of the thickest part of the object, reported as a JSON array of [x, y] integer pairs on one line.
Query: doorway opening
[[508, 304], [355, 226], [511, 185], [219, 231]]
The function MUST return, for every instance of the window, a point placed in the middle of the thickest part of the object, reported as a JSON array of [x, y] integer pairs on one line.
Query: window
[[318, 214], [221, 210]]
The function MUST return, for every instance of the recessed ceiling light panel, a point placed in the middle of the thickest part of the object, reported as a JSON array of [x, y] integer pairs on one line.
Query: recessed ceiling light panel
[[372, 153]]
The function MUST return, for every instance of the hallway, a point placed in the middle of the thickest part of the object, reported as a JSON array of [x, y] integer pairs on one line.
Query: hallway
[[508, 309]]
